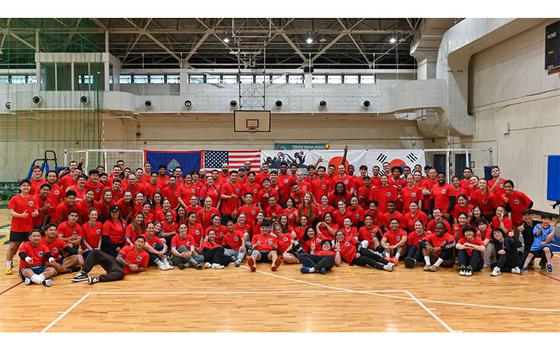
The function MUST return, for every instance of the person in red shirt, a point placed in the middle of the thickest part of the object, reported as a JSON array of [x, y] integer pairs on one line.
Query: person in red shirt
[[131, 259], [394, 241], [285, 181], [365, 193], [80, 188], [94, 184], [496, 184], [162, 179], [36, 180], [134, 229], [392, 213], [183, 250], [156, 248], [341, 214], [348, 229], [438, 217], [264, 173], [249, 209], [230, 196], [84, 205], [413, 249], [69, 179], [116, 189], [213, 253], [459, 226], [443, 196], [266, 192], [113, 232], [356, 212], [134, 187], [285, 240], [465, 183], [209, 190], [340, 193], [375, 176], [91, 230], [273, 211], [56, 193], [459, 190], [395, 178], [44, 206], [427, 184], [320, 185], [324, 207], [71, 231], [469, 251], [353, 253], [322, 261], [345, 179], [22, 209], [413, 215], [516, 201], [66, 258], [438, 248], [410, 192], [251, 186], [35, 258], [383, 194], [264, 250], [152, 185], [500, 220], [234, 243], [462, 206], [292, 212], [370, 234], [104, 204], [174, 193], [218, 229], [483, 198]]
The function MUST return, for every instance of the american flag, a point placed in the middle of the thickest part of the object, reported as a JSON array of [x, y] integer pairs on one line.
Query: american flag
[[213, 159]]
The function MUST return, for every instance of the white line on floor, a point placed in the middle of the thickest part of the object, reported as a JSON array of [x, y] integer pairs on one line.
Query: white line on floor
[[61, 316]]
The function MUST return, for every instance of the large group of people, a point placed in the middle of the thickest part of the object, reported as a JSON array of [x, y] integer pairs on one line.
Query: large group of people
[[126, 220]]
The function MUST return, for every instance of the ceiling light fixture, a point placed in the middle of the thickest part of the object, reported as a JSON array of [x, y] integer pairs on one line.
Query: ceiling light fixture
[[392, 40], [309, 40]]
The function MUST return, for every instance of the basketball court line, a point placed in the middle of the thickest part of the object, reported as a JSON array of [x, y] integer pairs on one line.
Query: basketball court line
[[61, 316], [429, 311], [9, 288], [549, 276], [500, 307]]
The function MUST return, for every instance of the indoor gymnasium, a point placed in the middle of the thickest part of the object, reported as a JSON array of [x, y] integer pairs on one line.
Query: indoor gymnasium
[[297, 173]]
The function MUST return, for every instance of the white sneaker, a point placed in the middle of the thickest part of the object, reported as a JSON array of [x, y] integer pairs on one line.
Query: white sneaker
[[167, 265], [496, 272], [27, 281], [207, 265], [516, 270], [217, 266], [462, 270], [388, 267]]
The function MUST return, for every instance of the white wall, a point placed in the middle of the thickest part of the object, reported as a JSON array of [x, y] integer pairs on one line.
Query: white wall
[[510, 85]]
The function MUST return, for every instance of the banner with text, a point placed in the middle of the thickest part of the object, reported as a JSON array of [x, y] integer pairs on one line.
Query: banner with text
[[368, 157]]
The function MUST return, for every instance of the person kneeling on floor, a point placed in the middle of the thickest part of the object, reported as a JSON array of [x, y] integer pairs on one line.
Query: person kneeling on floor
[[543, 234], [438, 247], [131, 259], [156, 248], [506, 251], [469, 251], [35, 257]]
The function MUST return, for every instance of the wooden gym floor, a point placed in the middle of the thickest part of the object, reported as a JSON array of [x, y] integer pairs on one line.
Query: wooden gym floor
[[349, 299]]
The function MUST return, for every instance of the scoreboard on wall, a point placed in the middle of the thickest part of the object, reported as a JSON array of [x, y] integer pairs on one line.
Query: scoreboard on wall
[[552, 48]]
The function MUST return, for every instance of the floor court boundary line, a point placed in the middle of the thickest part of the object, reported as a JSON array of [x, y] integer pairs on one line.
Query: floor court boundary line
[[430, 312], [66, 312], [11, 287], [409, 299], [124, 293]]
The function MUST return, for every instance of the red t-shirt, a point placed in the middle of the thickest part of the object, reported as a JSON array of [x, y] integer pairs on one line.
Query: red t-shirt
[[409, 220], [357, 214], [457, 210], [507, 223], [115, 230], [96, 187], [273, 212], [394, 237], [250, 212], [264, 195], [410, 194], [188, 241], [437, 241], [21, 204], [266, 242], [211, 192], [67, 231], [40, 203], [220, 232], [518, 202], [350, 232], [397, 215], [414, 239], [132, 233], [92, 233], [475, 241], [339, 217], [132, 256], [369, 234], [56, 247], [37, 253], [442, 195], [173, 195], [320, 188], [348, 249], [383, 195], [487, 202], [233, 239], [284, 242], [205, 216], [36, 184], [230, 205], [153, 240], [432, 226], [347, 180]]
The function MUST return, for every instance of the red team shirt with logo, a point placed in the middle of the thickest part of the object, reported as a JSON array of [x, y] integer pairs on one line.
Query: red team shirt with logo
[[131, 256], [37, 253], [21, 204]]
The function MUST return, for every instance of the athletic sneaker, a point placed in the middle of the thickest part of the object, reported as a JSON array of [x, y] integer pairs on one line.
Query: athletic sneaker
[[304, 269], [388, 267], [276, 264], [323, 270], [433, 268], [8, 271], [27, 281], [549, 268], [251, 263], [523, 270], [80, 277], [182, 266], [198, 266], [462, 270], [496, 272], [409, 262], [207, 265], [426, 267], [217, 266], [93, 280], [516, 270], [469, 271], [393, 260], [47, 282], [237, 262]]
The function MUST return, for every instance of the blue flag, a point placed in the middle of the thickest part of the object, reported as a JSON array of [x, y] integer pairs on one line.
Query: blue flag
[[188, 160]]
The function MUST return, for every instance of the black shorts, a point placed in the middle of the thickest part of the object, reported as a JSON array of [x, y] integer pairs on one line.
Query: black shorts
[[16, 236], [264, 257], [37, 270], [540, 253]]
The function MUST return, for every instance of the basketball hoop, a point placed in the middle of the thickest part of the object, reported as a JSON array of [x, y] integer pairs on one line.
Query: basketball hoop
[[251, 129]]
